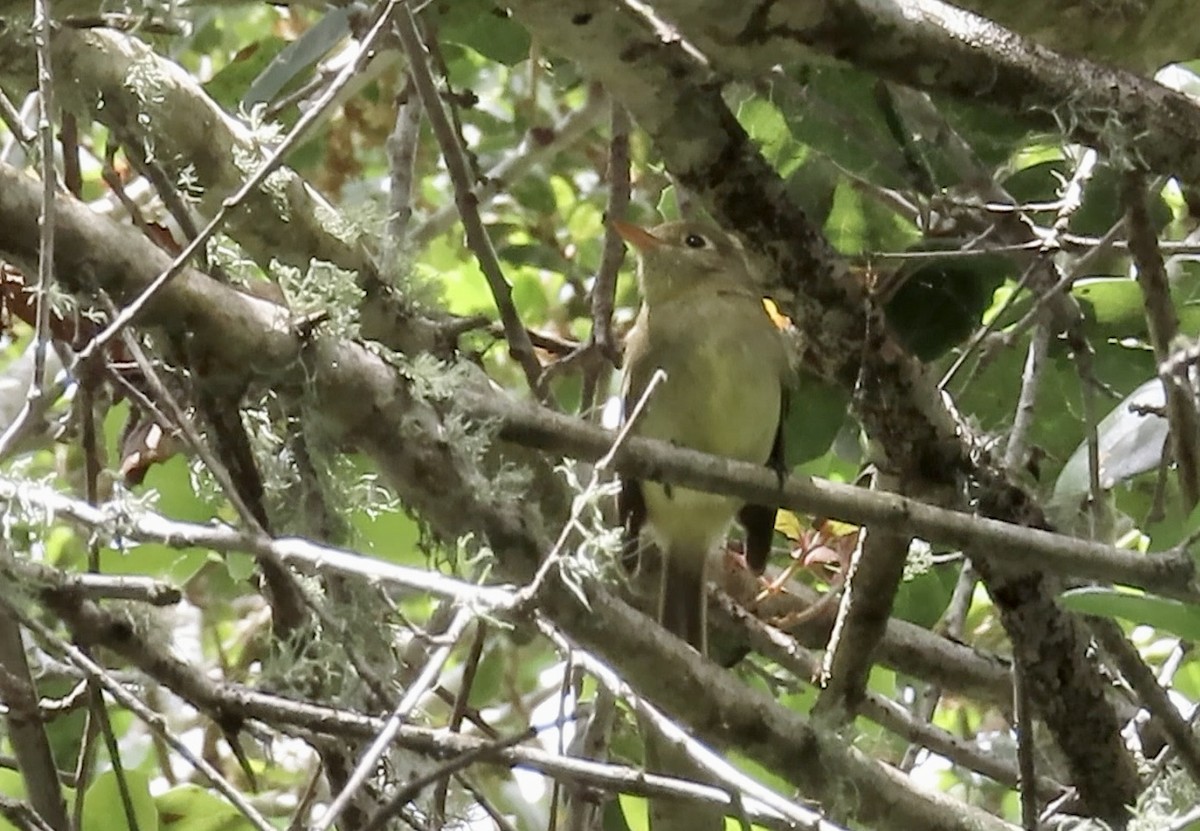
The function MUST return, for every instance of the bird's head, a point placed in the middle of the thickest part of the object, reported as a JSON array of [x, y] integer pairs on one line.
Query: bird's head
[[680, 256]]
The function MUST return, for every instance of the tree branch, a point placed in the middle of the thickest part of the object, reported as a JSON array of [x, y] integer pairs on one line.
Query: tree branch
[[937, 47], [1163, 324], [454, 154], [677, 100], [25, 729], [364, 401]]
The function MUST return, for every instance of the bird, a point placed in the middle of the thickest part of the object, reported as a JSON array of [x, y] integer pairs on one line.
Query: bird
[[703, 323]]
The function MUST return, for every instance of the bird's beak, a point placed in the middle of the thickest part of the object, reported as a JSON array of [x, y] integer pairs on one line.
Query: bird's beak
[[636, 235]]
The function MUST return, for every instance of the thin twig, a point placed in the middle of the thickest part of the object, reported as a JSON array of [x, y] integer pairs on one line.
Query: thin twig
[[402, 156], [22, 816], [1071, 198], [1152, 695], [151, 719], [12, 119], [875, 572], [442, 772], [72, 174], [25, 729], [593, 737], [981, 334], [286, 597], [128, 587], [123, 523], [802, 664], [1087, 395], [310, 116], [923, 710], [601, 351], [613, 254], [501, 820], [586, 495], [167, 192], [108, 172], [85, 765], [45, 83], [1163, 324], [1052, 299], [459, 711], [1171, 574], [454, 154], [1023, 715], [564, 695], [731, 778], [98, 713], [365, 767], [537, 147], [1031, 377]]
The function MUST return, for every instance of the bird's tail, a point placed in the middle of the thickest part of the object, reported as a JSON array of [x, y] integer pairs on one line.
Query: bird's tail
[[682, 602]]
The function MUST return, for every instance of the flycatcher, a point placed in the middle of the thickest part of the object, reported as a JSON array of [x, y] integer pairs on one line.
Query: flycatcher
[[703, 323]]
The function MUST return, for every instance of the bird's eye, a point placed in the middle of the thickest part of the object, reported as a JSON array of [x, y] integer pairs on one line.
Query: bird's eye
[[695, 241]]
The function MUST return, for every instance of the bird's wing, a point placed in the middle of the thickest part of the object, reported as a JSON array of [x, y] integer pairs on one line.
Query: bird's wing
[[631, 508], [759, 520], [631, 503]]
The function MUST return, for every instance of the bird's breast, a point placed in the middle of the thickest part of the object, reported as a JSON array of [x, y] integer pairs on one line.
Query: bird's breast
[[723, 390]]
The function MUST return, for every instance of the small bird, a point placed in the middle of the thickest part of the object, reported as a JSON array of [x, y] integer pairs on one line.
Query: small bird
[[703, 323]]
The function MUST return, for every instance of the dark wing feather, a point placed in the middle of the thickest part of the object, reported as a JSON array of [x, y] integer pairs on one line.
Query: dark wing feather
[[631, 508], [759, 520], [631, 502]]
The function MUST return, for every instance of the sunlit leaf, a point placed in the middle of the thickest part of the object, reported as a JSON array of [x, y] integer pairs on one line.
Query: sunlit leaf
[[192, 808], [228, 85], [282, 70], [104, 808], [1182, 619], [1130, 442], [486, 28]]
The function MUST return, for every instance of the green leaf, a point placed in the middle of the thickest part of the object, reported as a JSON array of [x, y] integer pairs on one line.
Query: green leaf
[[486, 28], [229, 84], [1173, 525], [837, 112], [1182, 619], [192, 808], [535, 193], [813, 186], [1102, 207], [923, 598], [668, 204], [280, 73], [767, 127], [177, 500], [1037, 182], [857, 224], [940, 302], [531, 254], [1130, 443], [634, 813], [617, 811], [1115, 308], [239, 566], [992, 132], [816, 412], [104, 809], [1058, 427]]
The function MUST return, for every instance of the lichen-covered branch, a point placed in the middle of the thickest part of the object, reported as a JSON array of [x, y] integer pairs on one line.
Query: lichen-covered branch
[[676, 99], [365, 401], [937, 47]]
